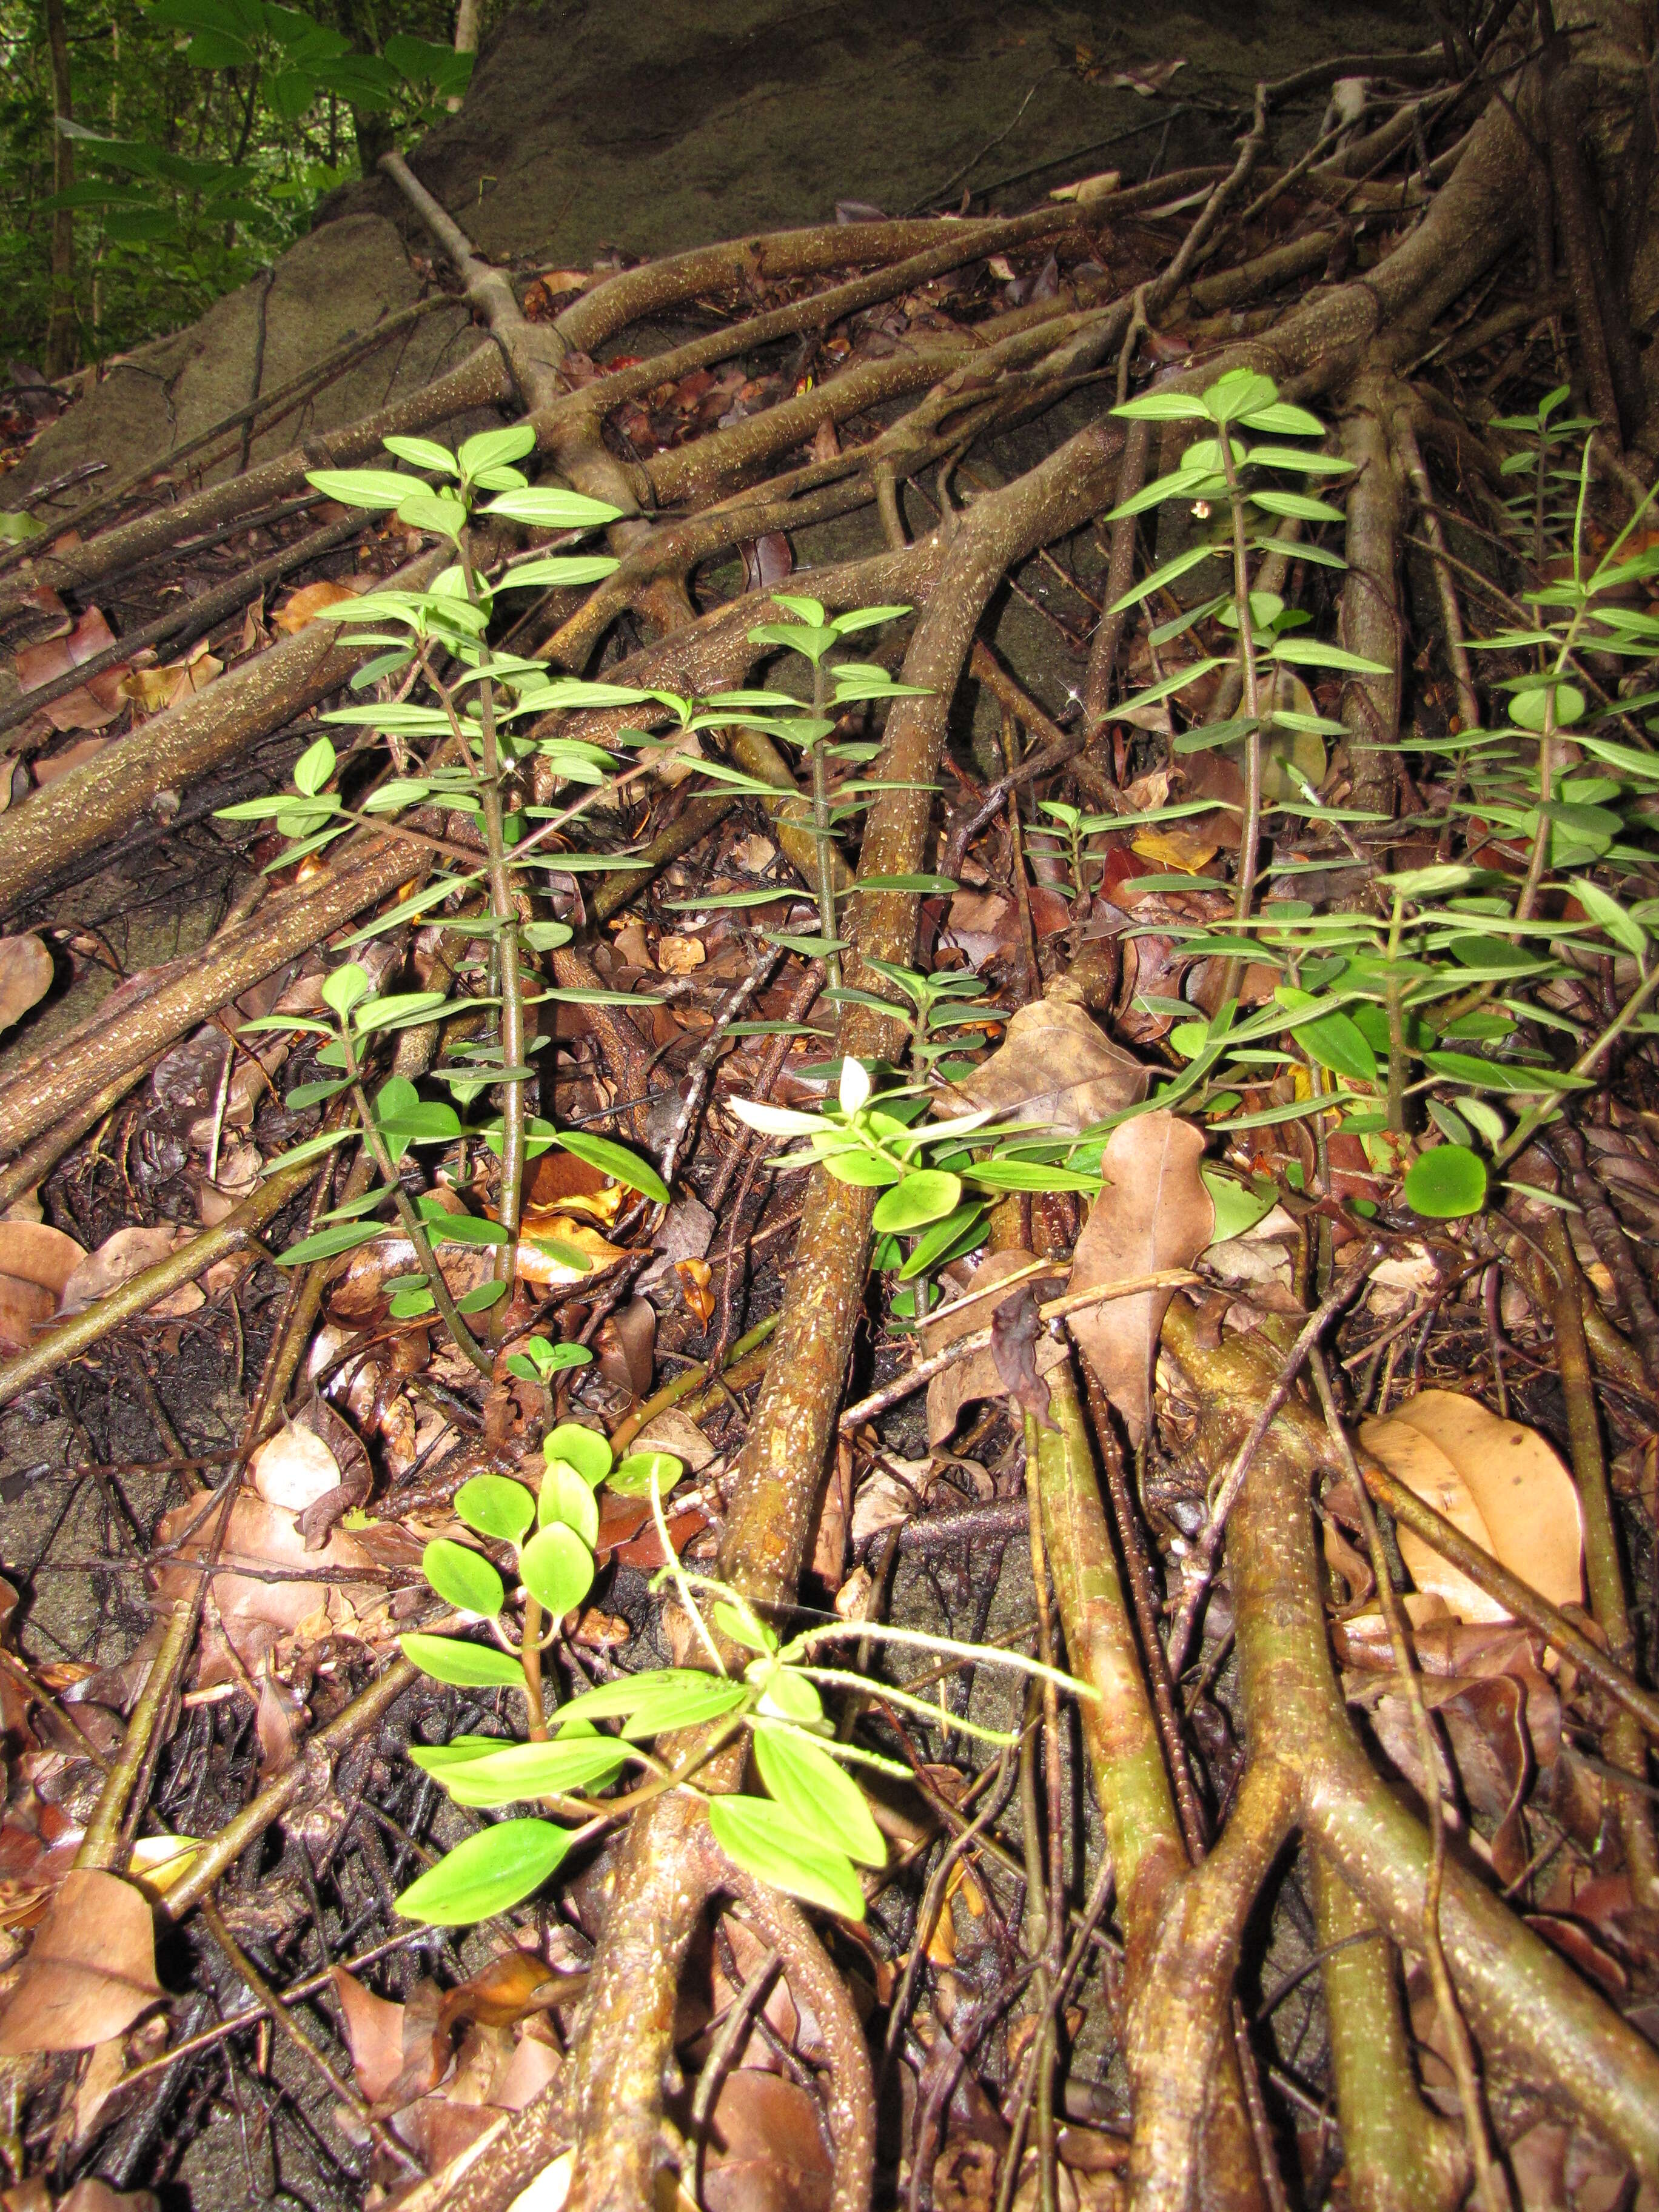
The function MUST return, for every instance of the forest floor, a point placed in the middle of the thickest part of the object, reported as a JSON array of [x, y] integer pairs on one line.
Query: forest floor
[[1183, 872]]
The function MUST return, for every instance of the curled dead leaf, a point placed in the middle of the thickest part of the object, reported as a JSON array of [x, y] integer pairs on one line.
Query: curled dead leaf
[[293, 1469], [128, 1252], [1501, 1484], [26, 973], [90, 1970], [979, 1377]]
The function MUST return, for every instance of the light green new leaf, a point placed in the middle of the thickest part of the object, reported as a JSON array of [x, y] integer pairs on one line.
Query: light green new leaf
[[549, 508], [568, 1501], [924, 1196], [465, 1665], [764, 1841], [634, 1476], [488, 1873], [423, 454], [1623, 928], [1164, 407], [495, 1506], [362, 487], [813, 1790], [582, 1447], [658, 1697], [463, 1578], [557, 1570]]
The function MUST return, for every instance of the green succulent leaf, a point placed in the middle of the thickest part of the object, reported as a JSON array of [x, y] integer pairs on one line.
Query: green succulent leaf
[[582, 1447], [557, 1570], [762, 1839], [489, 1873], [465, 1665], [816, 1791], [1446, 1182], [496, 1506], [463, 1578]]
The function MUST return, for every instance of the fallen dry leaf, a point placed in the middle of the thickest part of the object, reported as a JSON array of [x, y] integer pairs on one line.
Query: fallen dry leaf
[[92, 705], [1500, 1484], [150, 690], [35, 1252], [128, 1252], [26, 973], [305, 605], [766, 2148], [373, 2033], [977, 1377], [1153, 1212], [54, 769], [90, 1970], [294, 1468], [24, 1308], [1055, 1069], [681, 955]]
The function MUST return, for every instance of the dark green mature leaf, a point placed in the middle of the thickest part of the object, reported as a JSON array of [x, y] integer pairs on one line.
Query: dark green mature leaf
[[487, 1874]]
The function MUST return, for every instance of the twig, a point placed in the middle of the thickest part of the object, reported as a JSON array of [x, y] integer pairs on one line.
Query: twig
[[865, 1409]]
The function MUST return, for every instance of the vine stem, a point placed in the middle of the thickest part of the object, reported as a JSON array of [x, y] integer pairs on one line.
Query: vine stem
[[1249, 833]]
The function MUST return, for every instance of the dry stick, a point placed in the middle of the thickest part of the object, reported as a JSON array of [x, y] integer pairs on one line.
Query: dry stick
[[283, 2020], [702, 1068], [865, 1409], [1489, 2184], [1603, 1567], [1154, 1873], [815, 1983], [1607, 1233], [72, 817], [1404, 438], [479, 381], [1201, 1562]]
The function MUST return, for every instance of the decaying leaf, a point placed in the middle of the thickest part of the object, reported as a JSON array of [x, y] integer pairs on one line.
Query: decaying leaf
[[26, 973], [1153, 1212], [128, 1252], [977, 1377], [305, 605], [1055, 1069], [90, 1970], [1016, 1326], [766, 2149], [294, 1468], [1500, 1484]]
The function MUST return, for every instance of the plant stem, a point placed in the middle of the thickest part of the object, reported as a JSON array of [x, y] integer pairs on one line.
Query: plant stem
[[1249, 835], [506, 916], [825, 842], [414, 1228]]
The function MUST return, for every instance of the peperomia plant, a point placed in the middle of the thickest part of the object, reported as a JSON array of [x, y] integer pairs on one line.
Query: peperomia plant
[[809, 1833]]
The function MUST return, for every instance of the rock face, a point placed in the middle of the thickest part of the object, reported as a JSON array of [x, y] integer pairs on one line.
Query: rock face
[[656, 128], [338, 283]]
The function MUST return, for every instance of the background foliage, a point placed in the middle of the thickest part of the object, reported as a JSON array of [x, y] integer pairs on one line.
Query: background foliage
[[204, 132]]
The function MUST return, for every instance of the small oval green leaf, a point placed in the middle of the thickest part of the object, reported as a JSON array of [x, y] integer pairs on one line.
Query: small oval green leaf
[[924, 1196], [633, 1479], [568, 1501], [584, 1448], [1446, 1183], [812, 1789], [557, 1569], [495, 1507], [463, 1578], [762, 1839], [465, 1666]]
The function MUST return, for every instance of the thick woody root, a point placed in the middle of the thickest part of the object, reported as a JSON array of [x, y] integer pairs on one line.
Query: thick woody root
[[1521, 1997]]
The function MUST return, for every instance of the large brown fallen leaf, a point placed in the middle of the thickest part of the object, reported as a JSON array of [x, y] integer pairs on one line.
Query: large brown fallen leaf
[[766, 2149], [1056, 1069], [1153, 1212], [36, 1261], [94, 704], [977, 1377], [90, 1970], [1500, 1484], [306, 604], [128, 1252], [25, 977]]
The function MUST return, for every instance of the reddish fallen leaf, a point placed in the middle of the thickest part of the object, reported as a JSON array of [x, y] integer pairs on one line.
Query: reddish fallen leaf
[[1153, 1212], [60, 764], [294, 1468], [1055, 1069], [977, 1377], [24, 1308], [128, 1252], [90, 1970], [26, 973], [1016, 1326], [373, 2033], [305, 605]]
